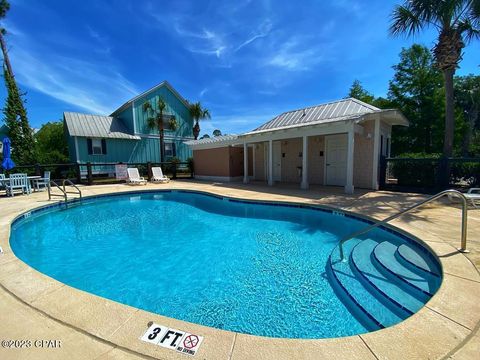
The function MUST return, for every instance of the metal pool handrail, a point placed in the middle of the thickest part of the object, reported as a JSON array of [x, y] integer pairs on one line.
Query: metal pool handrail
[[463, 246], [69, 182], [50, 194]]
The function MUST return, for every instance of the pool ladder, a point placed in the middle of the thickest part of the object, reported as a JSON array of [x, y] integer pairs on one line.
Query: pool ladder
[[449, 193], [63, 189]]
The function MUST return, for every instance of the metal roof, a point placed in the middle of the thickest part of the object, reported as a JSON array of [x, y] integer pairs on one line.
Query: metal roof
[[337, 110], [96, 126], [223, 139], [163, 83]]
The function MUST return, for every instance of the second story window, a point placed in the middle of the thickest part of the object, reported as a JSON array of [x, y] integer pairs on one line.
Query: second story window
[[97, 146], [170, 150]]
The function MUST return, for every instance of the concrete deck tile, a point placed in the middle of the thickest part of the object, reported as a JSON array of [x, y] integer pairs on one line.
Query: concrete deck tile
[[25, 282], [96, 315], [454, 262], [118, 354], [457, 299], [28, 324], [425, 335], [470, 350], [259, 348]]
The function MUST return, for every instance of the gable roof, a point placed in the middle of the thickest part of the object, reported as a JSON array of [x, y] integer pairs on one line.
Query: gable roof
[[332, 111], [163, 83], [96, 126]]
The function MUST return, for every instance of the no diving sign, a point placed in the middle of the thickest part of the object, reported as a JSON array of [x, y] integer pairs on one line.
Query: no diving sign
[[173, 339]]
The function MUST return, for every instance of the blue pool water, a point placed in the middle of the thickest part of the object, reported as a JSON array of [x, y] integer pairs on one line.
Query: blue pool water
[[252, 268]]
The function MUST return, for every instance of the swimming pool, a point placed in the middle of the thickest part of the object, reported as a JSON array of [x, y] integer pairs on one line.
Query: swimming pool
[[258, 268]]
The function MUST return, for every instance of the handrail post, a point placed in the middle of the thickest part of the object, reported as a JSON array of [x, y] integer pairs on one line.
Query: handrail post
[[463, 245], [149, 171], [89, 173], [78, 173], [174, 170]]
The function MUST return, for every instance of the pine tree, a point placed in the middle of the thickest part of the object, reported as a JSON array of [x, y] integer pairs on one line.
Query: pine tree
[[16, 120], [20, 132], [357, 91]]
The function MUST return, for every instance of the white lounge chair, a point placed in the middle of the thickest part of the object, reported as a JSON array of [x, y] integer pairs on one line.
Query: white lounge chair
[[473, 195], [134, 177], [157, 175]]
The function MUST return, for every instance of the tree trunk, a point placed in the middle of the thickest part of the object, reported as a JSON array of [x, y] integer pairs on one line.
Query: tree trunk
[[196, 130], [449, 113], [6, 59], [162, 144]]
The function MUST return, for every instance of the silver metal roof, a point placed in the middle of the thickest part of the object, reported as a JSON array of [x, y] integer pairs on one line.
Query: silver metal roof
[[212, 140], [341, 109], [96, 126]]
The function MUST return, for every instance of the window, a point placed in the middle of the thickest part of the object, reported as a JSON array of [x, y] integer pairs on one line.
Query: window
[[97, 146], [170, 150]]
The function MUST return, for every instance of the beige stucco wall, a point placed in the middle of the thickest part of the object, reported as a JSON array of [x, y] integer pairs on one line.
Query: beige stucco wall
[[221, 162], [212, 162], [363, 157]]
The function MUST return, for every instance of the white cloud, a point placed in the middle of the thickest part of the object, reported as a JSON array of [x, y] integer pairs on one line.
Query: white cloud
[[94, 87], [295, 55], [263, 31]]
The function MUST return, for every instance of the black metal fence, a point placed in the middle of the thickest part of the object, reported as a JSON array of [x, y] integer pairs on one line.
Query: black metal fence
[[103, 173], [429, 175]]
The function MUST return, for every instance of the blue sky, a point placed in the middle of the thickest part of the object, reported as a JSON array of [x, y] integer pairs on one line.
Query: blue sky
[[245, 60]]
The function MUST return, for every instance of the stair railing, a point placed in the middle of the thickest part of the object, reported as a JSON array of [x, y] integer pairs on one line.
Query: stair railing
[[455, 193]]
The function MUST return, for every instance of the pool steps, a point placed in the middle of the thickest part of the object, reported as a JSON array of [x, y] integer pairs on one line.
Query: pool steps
[[384, 281]]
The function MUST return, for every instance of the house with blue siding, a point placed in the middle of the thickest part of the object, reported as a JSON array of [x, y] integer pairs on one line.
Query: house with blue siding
[[124, 136]]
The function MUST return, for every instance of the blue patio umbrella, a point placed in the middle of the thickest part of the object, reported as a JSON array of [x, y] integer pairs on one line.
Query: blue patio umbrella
[[7, 163]]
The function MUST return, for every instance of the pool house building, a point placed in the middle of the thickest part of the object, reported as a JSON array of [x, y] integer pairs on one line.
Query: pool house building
[[338, 143], [124, 135]]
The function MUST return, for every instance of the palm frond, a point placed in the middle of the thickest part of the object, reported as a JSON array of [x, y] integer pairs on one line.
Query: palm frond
[[152, 123], [206, 114], [146, 106], [405, 21], [468, 29], [161, 104]]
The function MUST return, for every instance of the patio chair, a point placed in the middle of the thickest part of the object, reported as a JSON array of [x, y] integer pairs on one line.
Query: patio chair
[[157, 175], [134, 177], [17, 182], [473, 195], [2, 182], [43, 183]]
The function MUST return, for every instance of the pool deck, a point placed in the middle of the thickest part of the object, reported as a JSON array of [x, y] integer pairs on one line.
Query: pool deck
[[34, 306]]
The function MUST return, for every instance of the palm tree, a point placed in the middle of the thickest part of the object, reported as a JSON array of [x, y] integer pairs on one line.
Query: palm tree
[[157, 121], [457, 23], [197, 112]]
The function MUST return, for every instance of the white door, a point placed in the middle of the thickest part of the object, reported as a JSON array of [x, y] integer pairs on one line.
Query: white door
[[336, 159], [277, 161]]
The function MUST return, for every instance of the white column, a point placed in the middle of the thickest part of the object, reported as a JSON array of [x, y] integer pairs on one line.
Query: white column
[[350, 152], [376, 157], [254, 175], [270, 162], [304, 184], [245, 163]]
